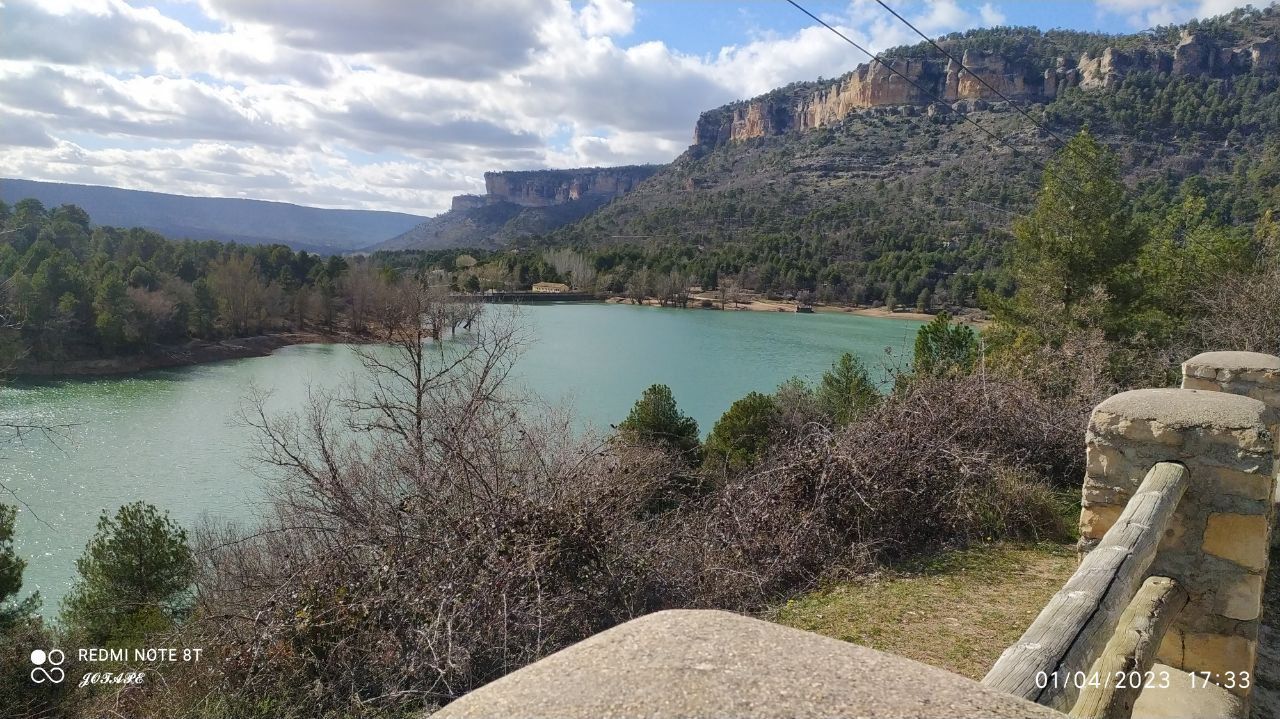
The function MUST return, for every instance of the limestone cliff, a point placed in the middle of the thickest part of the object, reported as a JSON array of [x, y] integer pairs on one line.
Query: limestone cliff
[[1026, 80], [543, 188], [519, 203], [467, 202]]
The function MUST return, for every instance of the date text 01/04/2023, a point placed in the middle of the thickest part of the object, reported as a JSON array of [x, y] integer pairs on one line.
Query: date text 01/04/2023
[[1140, 680]]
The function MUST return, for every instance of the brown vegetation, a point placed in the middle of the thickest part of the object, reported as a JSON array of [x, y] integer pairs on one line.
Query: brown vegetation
[[441, 531]]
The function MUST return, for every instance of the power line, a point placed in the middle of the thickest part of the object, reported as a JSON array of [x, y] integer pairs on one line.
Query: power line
[[1061, 143], [980, 79], [1038, 165], [916, 85]]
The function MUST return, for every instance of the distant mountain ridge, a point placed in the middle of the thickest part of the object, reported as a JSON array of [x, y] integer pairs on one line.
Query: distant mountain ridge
[[1037, 69], [314, 229], [520, 203]]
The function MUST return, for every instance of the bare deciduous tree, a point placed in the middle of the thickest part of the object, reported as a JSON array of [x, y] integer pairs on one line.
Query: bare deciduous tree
[[574, 266], [1240, 312], [243, 298], [362, 286], [415, 543]]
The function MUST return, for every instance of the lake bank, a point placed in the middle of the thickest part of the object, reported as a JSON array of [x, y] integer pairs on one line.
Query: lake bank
[[784, 306], [194, 352], [171, 436]]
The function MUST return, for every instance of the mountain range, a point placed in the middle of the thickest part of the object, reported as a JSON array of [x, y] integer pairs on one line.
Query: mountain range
[[897, 177], [314, 229]]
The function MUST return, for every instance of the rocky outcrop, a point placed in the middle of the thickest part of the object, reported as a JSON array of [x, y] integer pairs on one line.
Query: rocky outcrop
[[989, 72], [917, 82], [521, 203], [467, 202], [543, 188], [906, 82], [1193, 55], [1264, 56], [868, 86]]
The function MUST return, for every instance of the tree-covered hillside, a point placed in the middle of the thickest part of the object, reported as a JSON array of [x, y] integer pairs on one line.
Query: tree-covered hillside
[[225, 219], [898, 203], [71, 290]]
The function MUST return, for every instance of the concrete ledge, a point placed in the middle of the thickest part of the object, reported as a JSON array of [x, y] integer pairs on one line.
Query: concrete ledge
[[1182, 408], [711, 664], [1228, 366]]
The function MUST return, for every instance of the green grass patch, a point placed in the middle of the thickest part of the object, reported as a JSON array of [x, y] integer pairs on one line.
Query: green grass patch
[[956, 610]]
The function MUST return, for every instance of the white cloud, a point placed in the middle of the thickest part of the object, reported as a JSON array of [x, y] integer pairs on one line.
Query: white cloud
[[608, 17], [1142, 14], [991, 15], [382, 103], [469, 39]]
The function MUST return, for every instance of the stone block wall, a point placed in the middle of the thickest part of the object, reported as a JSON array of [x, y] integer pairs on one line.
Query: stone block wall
[[1255, 375], [1217, 543], [1251, 374]]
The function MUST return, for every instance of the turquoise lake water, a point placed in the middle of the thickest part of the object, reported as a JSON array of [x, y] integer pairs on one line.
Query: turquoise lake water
[[170, 437]]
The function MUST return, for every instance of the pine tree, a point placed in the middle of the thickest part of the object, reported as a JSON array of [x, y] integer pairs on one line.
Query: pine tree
[[1077, 248], [846, 392], [135, 576], [111, 310], [742, 433], [12, 610], [943, 348], [656, 419]]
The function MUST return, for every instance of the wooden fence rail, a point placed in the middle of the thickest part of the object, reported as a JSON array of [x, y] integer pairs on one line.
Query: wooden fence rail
[[1074, 627], [1122, 668]]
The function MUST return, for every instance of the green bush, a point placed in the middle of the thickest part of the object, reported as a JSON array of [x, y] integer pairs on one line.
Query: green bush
[[135, 577], [655, 419], [742, 433], [846, 392], [943, 348]]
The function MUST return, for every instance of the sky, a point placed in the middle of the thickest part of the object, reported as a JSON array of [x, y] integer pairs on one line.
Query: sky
[[401, 104]]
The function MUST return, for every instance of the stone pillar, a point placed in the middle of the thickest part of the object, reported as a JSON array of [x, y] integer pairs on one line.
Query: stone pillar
[[1251, 374], [1217, 543], [1258, 376]]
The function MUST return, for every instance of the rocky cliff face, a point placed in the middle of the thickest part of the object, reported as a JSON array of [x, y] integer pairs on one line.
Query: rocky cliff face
[[467, 202], [874, 85], [520, 203], [543, 188]]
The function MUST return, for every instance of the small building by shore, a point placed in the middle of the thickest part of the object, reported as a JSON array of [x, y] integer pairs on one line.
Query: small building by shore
[[550, 287]]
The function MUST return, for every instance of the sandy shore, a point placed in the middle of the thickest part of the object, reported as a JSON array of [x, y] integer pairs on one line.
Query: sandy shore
[[761, 305], [192, 353]]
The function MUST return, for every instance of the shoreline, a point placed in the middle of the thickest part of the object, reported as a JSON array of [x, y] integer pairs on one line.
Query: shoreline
[[194, 352], [197, 352], [758, 305]]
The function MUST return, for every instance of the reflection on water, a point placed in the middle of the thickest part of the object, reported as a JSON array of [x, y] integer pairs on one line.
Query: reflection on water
[[170, 437]]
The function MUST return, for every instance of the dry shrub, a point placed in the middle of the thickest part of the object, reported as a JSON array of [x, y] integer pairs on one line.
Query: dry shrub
[[432, 531], [1240, 311], [444, 533], [943, 461]]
